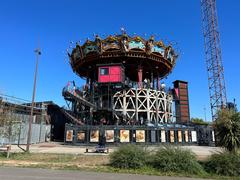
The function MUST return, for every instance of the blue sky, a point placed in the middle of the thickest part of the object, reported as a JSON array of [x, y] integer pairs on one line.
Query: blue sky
[[54, 23]]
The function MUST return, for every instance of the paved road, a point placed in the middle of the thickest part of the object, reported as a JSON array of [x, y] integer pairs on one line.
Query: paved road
[[7, 173]]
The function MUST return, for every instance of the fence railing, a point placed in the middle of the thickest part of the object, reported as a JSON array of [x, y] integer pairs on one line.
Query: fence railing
[[19, 132]]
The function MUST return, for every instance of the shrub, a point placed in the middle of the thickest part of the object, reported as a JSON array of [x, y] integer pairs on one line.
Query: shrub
[[128, 156], [227, 164], [176, 159], [227, 126]]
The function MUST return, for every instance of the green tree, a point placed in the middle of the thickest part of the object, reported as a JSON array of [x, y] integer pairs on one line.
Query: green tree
[[199, 121], [8, 122], [227, 126]]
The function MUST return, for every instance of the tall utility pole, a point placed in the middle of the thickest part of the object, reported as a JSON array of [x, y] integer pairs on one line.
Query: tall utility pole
[[38, 52], [216, 82]]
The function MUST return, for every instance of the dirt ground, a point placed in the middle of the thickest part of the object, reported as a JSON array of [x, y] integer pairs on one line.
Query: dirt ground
[[87, 159]]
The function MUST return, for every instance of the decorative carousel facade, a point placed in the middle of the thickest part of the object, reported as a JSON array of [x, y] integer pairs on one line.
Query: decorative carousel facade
[[123, 99]]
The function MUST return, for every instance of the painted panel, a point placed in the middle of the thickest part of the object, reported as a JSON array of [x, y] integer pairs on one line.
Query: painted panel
[[81, 136], [114, 75], [194, 136], [159, 50], [140, 136], [186, 135], [115, 70], [94, 136], [180, 136], [124, 135], [109, 134], [89, 48], [114, 78], [103, 78], [136, 45], [111, 45], [69, 136], [163, 136], [172, 136]]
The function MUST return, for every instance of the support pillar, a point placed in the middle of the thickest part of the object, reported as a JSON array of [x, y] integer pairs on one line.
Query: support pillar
[[140, 76], [148, 107], [136, 107], [124, 106], [152, 83]]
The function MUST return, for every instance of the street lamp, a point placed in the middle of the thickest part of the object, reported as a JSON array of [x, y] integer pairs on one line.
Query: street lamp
[[38, 52]]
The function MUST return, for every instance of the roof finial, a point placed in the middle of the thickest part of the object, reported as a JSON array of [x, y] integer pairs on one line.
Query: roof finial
[[123, 30]]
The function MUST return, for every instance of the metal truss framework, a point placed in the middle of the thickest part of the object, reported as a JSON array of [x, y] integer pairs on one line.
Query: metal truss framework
[[213, 55], [142, 106]]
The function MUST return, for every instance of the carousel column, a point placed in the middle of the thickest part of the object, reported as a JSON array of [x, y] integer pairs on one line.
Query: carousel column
[[158, 80], [157, 107], [140, 76], [124, 106], [91, 93], [152, 81], [91, 110], [136, 106], [148, 106]]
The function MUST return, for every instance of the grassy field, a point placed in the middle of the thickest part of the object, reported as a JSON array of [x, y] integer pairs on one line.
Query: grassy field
[[96, 163]]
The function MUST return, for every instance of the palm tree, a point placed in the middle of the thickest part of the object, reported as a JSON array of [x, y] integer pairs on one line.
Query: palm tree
[[227, 126]]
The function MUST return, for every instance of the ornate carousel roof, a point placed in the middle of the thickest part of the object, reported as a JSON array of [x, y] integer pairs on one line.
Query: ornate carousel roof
[[153, 56]]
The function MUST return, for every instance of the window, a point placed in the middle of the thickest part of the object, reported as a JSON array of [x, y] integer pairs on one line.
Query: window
[[104, 71]]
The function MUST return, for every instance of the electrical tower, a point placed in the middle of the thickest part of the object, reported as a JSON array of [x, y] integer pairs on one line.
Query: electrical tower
[[213, 55]]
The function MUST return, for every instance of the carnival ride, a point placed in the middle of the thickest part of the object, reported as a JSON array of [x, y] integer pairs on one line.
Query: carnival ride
[[123, 98], [122, 81]]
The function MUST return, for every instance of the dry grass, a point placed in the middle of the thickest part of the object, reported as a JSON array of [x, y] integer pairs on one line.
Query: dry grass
[[29, 159]]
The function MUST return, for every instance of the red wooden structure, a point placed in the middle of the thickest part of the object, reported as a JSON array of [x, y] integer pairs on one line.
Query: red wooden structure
[[110, 74]]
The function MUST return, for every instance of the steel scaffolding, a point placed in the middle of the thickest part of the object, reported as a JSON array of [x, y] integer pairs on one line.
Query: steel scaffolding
[[216, 83]]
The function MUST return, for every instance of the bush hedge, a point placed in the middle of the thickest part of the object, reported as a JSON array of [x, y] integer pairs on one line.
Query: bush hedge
[[227, 164], [170, 159], [128, 156], [176, 159]]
